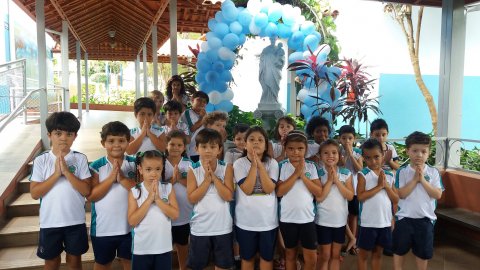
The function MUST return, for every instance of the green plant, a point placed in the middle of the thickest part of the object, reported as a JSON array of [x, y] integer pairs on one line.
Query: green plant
[[236, 116]]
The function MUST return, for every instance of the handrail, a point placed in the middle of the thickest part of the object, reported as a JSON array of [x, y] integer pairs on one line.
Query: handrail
[[13, 62], [19, 108]]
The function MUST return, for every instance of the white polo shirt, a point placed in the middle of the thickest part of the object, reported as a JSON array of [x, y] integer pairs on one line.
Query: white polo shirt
[[277, 148], [180, 125], [211, 215], [376, 211], [394, 157], [109, 214], [153, 234], [333, 211], [357, 153], [147, 144], [297, 206], [184, 205], [232, 155], [193, 141], [312, 148], [62, 205], [190, 118], [418, 204], [258, 211]]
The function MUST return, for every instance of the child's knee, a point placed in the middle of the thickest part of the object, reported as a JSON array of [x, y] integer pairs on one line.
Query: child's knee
[[290, 253]]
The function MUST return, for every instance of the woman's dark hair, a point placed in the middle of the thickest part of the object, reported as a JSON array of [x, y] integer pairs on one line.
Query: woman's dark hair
[[259, 129], [316, 121], [180, 135], [296, 136], [140, 156], [287, 119], [175, 78]]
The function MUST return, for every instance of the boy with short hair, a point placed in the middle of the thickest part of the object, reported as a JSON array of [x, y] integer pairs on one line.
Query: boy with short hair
[[210, 188], [215, 120], [376, 194], [193, 117], [61, 179], [113, 176], [173, 110], [379, 131], [147, 136], [419, 187], [232, 154], [318, 128]]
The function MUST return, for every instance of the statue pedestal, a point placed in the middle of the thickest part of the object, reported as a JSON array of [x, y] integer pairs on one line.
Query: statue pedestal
[[269, 113]]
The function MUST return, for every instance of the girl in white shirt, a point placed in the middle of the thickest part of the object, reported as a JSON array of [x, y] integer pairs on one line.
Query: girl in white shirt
[[151, 206], [256, 204], [276, 149], [332, 206]]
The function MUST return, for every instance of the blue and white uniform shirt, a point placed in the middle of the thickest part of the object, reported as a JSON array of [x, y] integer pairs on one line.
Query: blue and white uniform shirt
[[147, 144]]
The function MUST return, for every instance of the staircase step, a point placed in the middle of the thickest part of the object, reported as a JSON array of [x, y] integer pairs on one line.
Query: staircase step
[[23, 231], [24, 205], [24, 258], [24, 185]]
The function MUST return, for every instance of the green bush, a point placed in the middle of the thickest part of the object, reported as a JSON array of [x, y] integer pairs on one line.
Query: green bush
[[237, 116]]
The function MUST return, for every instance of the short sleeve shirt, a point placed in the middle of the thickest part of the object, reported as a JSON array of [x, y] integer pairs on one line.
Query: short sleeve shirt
[[147, 144], [394, 156], [62, 205], [190, 118], [184, 205], [418, 204], [257, 211], [297, 205], [180, 126], [376, 211], [357, 153], [333, 210], [312, 148], [232, 155]]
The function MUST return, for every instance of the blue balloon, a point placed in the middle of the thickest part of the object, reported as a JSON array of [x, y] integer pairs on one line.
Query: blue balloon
[[311, 42], [224, 105], [271, 30], [297, 37], [244, 18], [200, 77], [295, 57], [307, 28], [210, 108], [218, 66], [261, 20], [236, 28], [318, 35], [214, 43], [264, 9], [219, 17], [310, 101], [226, 76], [274, 13], [211, 24], [221, 29], [227, 3], [211, 35], [241, 39], [231, 41], [284, 31], [203, 65], [230, 13], [221, 87], [228, 64], [212, 76], [212, 55], [202, 56]]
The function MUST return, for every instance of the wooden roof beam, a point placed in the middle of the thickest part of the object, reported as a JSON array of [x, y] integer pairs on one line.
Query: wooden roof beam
[[161, 9], [65, 18]]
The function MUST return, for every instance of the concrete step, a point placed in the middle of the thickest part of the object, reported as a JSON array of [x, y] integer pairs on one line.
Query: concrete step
[[23, 258], [23, 231], [24, 185], [24, 205]]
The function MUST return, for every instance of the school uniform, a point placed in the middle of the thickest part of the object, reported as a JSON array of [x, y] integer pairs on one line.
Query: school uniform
[[277, 148], [180, 126], [191, 151], [356, 154], [190, 117], [312, 148], [394, 156], [147, 144], [232, 155]]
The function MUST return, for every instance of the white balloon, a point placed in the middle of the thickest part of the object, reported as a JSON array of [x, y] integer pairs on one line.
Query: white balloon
[[226, 54], [228, 95], [306, 54], [302, 94], [204, 46], [215, 97], [324, 48], [297, 11], [254, 6], [254, 29]]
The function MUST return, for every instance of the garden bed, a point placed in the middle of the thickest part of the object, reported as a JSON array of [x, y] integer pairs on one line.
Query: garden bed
[[104, 107]]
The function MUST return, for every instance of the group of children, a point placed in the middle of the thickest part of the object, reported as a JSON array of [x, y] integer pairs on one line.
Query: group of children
[[170, 184]]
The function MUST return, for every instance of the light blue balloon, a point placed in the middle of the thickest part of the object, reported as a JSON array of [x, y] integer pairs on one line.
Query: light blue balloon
[[226, 54], [288, 19], [264, 9], [210, 108], [211, 24], [221, 29], [227, 3], [214, 43], [212, 76], [224, 105], [297, 37], [284, 31], [295, 57], [218, 66], [261, 20], [274, 13], [236, 28], [228, 64], [310, 42], [212, 55], [226, 76], [203, 65], [230, 13], [244, 18], [203, 86], [241, 39], [318, 35], [221, 86], [231, 41], [271, 30], [219, 17], [200, 77], [202, 56], [211, 35], [307, 28]]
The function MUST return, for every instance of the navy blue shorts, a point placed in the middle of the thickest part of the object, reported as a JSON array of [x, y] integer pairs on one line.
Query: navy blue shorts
[[180, 234], [328, 235], [155, 261], [53, 241], [304, 233], [369, 238], [201, 247], [106, 248], [251, 242], [353, 206], [414, 233]]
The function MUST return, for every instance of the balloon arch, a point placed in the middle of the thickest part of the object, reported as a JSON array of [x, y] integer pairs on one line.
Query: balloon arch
[[228, 31]]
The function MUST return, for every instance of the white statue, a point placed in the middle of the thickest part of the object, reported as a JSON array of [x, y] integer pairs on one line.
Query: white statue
[[272, 60]]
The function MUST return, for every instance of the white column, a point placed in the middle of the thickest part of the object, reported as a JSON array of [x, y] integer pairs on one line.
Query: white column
[[155, 57], [137, 77], [87, 94], [173, 36], [65, 70], [145, 73], [42, 69], [452, 56], [79, 79]]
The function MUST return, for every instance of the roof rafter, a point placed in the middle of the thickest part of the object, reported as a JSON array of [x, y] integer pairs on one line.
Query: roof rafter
[[161, 9], [65, 18]]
